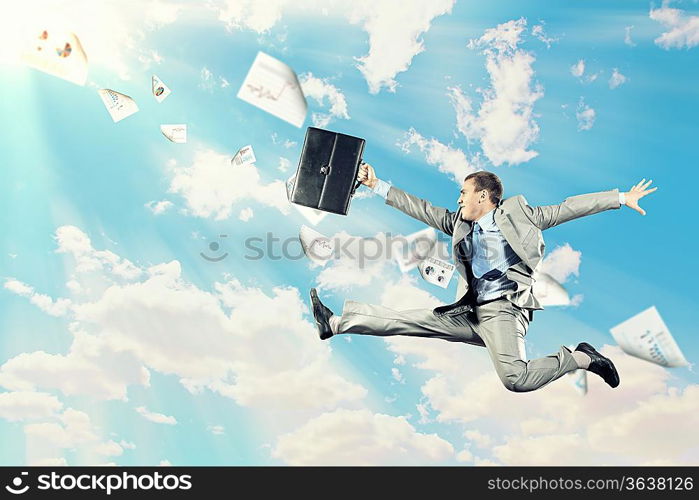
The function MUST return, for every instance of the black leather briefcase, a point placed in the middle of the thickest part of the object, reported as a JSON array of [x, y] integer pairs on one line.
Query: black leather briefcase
[[328, 168]]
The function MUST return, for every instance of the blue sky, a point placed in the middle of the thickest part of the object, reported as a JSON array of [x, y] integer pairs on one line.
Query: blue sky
[[120, 344]]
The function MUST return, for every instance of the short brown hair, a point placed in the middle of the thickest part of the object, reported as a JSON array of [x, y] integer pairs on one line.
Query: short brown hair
[[488, 181]]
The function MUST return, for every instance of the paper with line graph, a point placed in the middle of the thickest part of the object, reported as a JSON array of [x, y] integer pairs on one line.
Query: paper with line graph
[[647, 337], [273, 86]]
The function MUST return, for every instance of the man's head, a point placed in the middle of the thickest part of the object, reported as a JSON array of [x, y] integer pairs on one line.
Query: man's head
[[480, 193]]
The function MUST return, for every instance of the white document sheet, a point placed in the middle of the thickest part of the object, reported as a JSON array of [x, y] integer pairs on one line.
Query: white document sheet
[[647, 337], [176, 133], [56, 53], [436, 271], [273, 86], [317, 247], [244, 156], [119, 105], [160, 90]]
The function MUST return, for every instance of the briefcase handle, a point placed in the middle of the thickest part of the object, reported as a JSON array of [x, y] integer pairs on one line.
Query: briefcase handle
[[359, 183]]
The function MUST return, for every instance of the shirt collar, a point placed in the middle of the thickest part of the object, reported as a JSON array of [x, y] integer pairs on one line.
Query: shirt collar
[[487, 222]]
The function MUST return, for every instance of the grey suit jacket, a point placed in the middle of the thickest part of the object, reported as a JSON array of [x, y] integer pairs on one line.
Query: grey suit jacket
[[521, 225]]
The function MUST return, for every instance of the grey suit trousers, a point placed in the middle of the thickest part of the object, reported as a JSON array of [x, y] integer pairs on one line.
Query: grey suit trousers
[[499, 326]]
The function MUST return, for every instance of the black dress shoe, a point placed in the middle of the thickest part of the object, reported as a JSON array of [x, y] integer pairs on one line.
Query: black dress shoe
[[322, 316], [599, 364]]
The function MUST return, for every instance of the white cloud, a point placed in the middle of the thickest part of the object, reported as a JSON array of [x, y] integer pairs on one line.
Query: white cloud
[[127, 445], [127, 329], [644, 422], [361, 261], [74, 242], [627, 36], [25, 405], [562, 263], [394, 36], [394, 33], [347, 437], [46, 441], [157, 418], [109, 449], [578, 69], [165, 463], [91, 367], [158, 207], [286, 142], [617, 79], [478, 438], [216, 430], [208, 81], [451, 161], [397, 375], [57, 307], [319, 89], [540, 34], [211, 187], [505, 121], [284, 164], [245, 214], [683, 29], [585, 115]]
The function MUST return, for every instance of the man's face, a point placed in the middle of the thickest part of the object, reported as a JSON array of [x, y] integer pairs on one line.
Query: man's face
[[469, 200]]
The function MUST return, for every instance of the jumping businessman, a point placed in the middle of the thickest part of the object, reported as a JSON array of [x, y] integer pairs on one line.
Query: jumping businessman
[[496, 244]]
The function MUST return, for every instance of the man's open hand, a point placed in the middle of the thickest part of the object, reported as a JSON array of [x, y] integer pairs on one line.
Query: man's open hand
[[636, 193], [367, 176]]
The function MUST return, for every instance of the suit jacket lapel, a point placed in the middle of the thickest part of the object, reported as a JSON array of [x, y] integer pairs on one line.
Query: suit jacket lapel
[[506, 226]]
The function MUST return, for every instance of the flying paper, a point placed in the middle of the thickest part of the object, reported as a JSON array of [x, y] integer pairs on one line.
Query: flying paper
[[273, 86], [310, 214], [176, 133], [647, 337], [244, 156], [317, 247], [548, 291], [160, 90], [119, 105], [410, 250], [436, 271], [57, 53]]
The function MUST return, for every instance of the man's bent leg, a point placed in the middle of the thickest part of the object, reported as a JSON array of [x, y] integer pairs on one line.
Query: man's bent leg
[[369, 319], [502, 326]]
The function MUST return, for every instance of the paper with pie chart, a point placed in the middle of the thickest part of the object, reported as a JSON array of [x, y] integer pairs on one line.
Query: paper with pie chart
[[273, 87], [436, 271], [176, 132], [160, 90], [119, 105], [646, 336], [57, 53]]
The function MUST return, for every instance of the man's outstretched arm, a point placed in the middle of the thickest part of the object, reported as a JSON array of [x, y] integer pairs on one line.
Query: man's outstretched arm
[[587, 204], [422, 210]]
